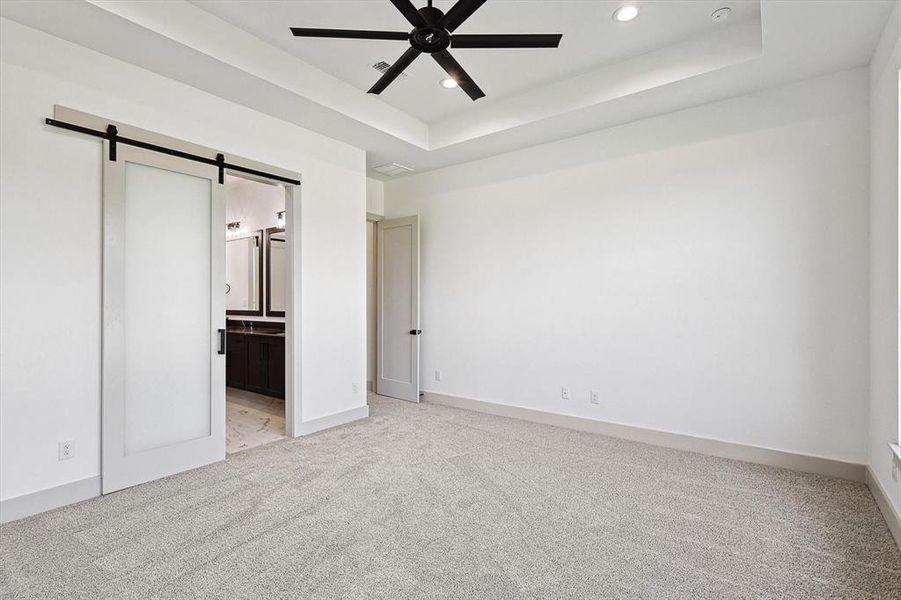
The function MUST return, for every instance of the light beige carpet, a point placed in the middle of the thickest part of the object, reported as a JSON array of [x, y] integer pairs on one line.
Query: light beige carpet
[[424, 501]]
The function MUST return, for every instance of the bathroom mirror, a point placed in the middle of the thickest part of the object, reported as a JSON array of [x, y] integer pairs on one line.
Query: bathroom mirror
[[243, 274], [276, 272]]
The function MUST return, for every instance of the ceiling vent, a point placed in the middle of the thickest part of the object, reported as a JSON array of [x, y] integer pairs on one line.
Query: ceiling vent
[[392, 169], [382, 66]]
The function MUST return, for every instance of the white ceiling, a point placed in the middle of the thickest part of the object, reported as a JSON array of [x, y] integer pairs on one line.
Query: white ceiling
[[591, 38], [604, 74]]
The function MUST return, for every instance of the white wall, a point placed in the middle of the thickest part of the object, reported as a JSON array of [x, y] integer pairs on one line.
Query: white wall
[[50, 248], [253, 203], [705, 271], [884, 84], [375, 196]]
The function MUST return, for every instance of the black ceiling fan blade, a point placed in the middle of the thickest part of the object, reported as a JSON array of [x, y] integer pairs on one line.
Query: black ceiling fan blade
[[354, 34], [459, 12], [457, 73], [394, 70], [409, 12], [506, 40]]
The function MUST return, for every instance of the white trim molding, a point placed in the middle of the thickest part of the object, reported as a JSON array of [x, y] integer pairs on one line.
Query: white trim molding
[[19, 507], [329, 421], [679, 441], [892, 518], [26, 505]]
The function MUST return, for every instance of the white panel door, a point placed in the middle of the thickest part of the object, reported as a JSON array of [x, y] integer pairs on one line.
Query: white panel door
[[397, 323], [163, 317]]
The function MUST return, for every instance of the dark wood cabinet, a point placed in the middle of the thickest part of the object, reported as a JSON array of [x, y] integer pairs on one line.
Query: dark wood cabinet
[[256, 362], [277, 369], [235, 360]]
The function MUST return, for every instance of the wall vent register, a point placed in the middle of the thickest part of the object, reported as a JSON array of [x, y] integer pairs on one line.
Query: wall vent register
[[392, 169], [382, 67]]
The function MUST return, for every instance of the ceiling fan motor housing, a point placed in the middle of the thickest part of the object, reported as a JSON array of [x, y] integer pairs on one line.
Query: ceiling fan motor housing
[[433, 37]]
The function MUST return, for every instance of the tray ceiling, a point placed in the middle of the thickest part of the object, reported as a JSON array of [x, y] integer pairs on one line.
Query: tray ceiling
[[604, 73]]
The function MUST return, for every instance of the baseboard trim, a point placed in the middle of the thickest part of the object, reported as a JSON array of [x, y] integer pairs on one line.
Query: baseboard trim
[[13, 509], [329, 421], [892, 518], [678, 441]]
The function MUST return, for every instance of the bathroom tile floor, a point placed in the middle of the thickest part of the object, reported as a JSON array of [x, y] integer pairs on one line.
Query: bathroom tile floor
[[252, 420]]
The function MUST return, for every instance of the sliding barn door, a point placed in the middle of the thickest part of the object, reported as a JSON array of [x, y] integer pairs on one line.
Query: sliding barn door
[[397, 355], [163, 309]]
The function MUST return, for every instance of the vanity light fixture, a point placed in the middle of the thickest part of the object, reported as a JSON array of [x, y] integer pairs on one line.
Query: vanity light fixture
[[625, 13], [280, 219], [232, 229]]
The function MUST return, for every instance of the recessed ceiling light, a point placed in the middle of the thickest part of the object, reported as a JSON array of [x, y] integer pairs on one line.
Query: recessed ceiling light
[[625, 13], [448, 83]]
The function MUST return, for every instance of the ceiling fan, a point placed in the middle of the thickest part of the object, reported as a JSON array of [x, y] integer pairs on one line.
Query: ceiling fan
[[433, 34]]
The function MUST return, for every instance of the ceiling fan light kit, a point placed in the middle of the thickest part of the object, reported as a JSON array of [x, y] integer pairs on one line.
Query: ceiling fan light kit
[[433, 34]]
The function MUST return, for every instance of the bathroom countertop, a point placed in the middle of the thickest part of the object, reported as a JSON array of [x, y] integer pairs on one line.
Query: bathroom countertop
[[255, 331]]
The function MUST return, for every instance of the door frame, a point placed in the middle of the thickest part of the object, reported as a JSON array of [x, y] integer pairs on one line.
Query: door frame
[[374, 219], [293, 198], [293, 297]]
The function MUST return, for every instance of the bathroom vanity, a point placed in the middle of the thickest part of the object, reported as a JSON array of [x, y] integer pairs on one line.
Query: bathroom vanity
[[255, 357]]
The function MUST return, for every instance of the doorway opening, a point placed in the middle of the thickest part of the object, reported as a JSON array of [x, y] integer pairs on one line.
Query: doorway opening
[[255, 303]]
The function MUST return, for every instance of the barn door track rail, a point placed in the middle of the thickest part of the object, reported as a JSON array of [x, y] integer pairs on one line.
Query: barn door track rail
[[112, 135]]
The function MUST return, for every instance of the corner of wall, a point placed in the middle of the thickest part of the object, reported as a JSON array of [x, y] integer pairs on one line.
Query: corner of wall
[[375, 197], [883, 234]]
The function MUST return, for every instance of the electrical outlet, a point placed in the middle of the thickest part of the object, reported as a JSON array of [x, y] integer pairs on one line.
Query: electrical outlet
[[594, 397], [355, 387], [437, 375], [66, 449], [564, 393]]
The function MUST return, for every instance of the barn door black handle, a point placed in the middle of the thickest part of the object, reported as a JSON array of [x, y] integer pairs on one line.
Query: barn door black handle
[[415, 331], [221, 341]]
